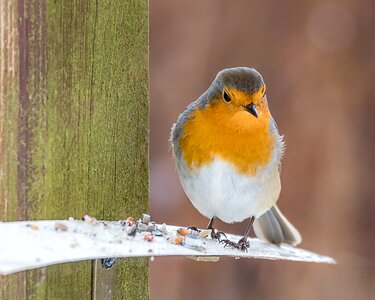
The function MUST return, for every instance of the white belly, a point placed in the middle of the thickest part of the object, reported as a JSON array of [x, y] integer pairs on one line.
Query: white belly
[[216, 190]]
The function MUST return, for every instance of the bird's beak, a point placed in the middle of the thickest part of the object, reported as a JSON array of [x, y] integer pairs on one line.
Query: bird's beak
[[251, 108]]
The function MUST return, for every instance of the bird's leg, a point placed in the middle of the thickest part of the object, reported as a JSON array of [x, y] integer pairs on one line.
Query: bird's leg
[[215, 234], [243, 243]]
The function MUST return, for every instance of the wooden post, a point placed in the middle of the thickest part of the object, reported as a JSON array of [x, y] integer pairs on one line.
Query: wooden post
[[74, 131]]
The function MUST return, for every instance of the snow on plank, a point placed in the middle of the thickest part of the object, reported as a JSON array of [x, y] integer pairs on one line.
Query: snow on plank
[[32, 244]]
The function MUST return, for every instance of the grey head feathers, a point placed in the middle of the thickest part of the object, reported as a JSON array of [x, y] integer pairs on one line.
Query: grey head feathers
[[247, 80]]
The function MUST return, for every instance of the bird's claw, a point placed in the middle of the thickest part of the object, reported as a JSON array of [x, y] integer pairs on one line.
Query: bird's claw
[[216, 235], [193, 228], [243, 244]]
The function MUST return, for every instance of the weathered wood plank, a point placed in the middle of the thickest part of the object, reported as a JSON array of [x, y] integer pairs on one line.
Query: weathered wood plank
[[73, 127]]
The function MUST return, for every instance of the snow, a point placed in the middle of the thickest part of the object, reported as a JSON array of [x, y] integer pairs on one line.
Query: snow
[[33, 244]]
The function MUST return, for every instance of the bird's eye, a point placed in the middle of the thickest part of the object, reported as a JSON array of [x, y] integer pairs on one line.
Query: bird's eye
[[226, 96]]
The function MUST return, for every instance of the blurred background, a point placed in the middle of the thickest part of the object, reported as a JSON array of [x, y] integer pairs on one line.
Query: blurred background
[[318, 61]]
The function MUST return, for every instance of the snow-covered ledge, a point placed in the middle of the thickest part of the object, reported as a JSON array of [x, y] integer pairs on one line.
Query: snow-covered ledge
[[32, 244]]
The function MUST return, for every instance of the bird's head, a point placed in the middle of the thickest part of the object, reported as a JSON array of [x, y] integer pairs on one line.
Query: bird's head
[[240, 89]]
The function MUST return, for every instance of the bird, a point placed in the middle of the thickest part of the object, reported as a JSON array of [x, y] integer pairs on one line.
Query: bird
[[227, 150]]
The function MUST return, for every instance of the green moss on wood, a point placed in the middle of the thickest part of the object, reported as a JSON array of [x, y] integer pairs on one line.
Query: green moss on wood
[[86, 121]]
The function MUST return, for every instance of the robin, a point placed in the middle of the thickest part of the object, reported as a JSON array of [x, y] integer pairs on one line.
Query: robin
[[228, 151]]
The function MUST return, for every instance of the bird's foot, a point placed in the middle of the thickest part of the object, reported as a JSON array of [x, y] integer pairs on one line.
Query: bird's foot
[[216, 235], [193, 228], [243, 244]]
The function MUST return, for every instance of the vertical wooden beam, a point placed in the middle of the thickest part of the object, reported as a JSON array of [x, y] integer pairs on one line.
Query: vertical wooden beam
[[103, 286], [74, 129]]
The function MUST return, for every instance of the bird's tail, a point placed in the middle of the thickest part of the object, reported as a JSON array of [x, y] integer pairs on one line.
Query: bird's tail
[[273, 227]]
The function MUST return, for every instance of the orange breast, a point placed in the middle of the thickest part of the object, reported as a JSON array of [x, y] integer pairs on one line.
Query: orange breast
[[231, 133]]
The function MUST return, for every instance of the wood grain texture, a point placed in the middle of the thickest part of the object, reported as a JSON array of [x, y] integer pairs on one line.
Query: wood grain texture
[[74, 129]]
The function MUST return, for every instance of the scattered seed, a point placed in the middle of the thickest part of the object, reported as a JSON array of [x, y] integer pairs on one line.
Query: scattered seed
[[60, 226], [89, 219], [204, 233], [142, 227], [34, 227], [152, 226], [192, 242], [157, 232], [183, 231], [129, 221], [176, 240], [148, 237], [130, 230], [146, 218]]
